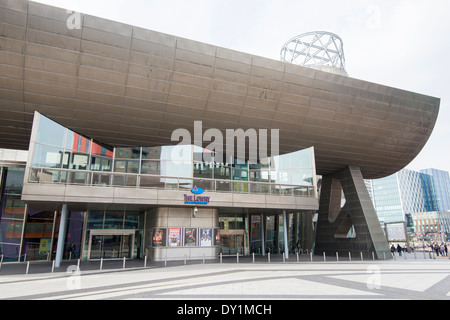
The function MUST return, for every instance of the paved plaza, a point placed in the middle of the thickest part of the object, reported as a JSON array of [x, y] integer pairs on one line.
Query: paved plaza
[[230, 280]]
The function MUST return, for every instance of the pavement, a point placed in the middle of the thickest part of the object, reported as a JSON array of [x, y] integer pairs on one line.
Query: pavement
[[416, 277]]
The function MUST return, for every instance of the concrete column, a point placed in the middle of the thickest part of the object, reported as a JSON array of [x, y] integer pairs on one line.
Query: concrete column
[[61, 235], [263, 229], [285, 229]]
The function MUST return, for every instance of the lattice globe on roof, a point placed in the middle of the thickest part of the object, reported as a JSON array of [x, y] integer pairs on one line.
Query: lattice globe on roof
[[318, 49]]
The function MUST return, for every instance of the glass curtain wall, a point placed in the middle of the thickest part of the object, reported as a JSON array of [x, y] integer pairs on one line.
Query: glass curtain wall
[[11, 212], [113, 234], [170, 167], [248, 231]]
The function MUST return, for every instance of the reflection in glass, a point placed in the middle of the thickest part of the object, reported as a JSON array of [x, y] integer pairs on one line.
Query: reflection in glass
[[176, 166], [50, 132], [47, 157]]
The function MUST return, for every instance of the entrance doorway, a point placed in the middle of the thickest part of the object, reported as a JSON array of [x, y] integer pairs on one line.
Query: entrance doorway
[[111, 244], [233, 241]]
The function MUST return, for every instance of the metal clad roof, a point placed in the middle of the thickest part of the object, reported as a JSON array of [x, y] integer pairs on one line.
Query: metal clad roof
[[124, 85]]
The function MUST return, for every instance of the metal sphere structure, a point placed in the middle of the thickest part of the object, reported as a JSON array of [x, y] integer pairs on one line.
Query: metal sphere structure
[[317, 49]]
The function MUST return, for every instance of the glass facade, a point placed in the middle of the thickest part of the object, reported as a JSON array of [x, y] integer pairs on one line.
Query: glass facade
[[247, 232], [63, 156], [437, 187], [421, 199], [12, 212], [387, 199]]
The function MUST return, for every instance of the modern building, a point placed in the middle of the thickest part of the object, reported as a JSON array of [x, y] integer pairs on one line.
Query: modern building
[[417, 198], [126, 131], [437, 189]]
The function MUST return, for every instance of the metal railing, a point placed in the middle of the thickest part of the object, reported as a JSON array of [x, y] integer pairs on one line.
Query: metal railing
[[133, 180]]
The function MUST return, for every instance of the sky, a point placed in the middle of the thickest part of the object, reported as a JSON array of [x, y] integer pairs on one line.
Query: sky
[[400, 43]]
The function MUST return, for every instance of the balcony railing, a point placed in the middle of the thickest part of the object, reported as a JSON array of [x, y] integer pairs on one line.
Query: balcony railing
[[133, 180]]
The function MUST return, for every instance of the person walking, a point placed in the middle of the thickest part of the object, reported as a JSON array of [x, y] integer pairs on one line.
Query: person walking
[[399, 250]]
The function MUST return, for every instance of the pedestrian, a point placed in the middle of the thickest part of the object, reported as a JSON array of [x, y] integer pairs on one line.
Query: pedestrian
[[446, 250], [399, 250], [442, 249], [436, 249]]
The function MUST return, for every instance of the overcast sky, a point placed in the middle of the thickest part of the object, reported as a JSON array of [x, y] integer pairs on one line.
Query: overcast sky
[[403, 44]]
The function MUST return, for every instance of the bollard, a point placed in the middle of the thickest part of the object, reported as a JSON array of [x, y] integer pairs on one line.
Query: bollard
[[237, 257], [1, 262], [384, 255], [349, 256], [268, 257], [145, 262], [220, 255], [361, 256], [311, 256], [53, 266], [284, 258], [337, 256], [253, 257], [373, 256], [28, 267], [298, 260], [415, 258], [405, 255], [324, 258], [165, 261], [78, 264], [424, 256], [124, 259], [101, 263], [185, 259]]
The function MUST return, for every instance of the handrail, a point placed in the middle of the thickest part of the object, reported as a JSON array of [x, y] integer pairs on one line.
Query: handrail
[[151, 181]]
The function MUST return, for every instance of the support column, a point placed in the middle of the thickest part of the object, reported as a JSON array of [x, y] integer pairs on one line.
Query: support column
[[263, 231], [285, 233], [354, 227], [61, 235]]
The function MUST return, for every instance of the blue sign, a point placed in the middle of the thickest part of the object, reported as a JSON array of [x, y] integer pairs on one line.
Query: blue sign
[[196, 190], [189, 199]]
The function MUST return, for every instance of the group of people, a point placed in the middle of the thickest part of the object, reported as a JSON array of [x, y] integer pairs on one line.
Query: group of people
[[399, 249], [440, 249]]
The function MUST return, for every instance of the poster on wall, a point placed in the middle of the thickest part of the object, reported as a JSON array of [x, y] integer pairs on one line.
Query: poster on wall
[[190, 237], [216, 237], [206, 237], [159, 237], [174, 237]]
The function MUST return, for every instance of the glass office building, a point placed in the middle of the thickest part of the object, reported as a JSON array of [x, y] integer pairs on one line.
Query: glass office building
[[420, 199]]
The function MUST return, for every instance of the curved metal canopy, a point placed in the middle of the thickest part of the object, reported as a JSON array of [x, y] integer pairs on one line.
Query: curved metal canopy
[[124, 85]]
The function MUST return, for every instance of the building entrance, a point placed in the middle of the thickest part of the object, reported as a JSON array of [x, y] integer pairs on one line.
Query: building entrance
[[110, 244], [271, 232], [233, 241]]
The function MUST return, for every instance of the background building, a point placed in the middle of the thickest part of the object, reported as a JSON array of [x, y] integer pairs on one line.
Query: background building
[[420, 199]]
